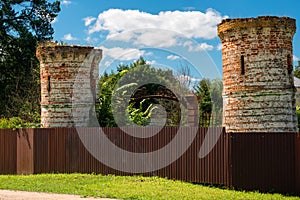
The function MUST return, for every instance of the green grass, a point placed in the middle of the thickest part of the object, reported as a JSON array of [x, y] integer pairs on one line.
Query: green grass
[[123, 187]]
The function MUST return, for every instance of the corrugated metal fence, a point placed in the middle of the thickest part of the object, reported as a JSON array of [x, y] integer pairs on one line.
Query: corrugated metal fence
[[263, 161], [251, 161], [8, 151]]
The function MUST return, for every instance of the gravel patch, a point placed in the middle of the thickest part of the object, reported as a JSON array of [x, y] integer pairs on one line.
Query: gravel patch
[[22, 195]]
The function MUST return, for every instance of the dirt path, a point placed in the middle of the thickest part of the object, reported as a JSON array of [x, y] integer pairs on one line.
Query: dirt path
[[21, 195]]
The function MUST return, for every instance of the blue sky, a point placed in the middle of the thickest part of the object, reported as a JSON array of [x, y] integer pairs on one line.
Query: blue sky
[[167, 33]]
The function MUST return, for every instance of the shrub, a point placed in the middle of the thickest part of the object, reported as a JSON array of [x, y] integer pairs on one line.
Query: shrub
[[298, 115], [17, 122]]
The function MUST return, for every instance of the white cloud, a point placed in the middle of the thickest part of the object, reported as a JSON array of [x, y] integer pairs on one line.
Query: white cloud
[[54, 20], [66, 2], [69, 37], [149, 53], [187, 43], [118, 53], [107, 63], [152, 62], [153, 37], [147, 37], [295, 58], [202, 47], [198, 47], [173, 57], [91, 40], [219, 47], [192, 24], [88, 20]]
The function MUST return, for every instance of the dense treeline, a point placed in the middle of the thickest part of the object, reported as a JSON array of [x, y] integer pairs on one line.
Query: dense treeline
[[23, 24], [151, 81], [128, 85]]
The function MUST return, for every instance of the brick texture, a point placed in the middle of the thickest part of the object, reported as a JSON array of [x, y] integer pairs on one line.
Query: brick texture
[[259, 92], [69, 77]]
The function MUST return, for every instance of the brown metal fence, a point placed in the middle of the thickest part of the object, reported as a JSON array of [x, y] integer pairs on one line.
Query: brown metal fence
[[8, 151], [263, 161], [297, 163], [250, 161]]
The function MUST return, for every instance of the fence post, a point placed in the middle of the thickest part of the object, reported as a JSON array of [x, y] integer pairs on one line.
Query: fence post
[[297, 163], [192, 109], [228, 158], [25, 151], [8, 151]]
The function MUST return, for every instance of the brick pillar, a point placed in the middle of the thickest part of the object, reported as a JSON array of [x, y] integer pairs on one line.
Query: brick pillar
[[192, 109], [60, 67], [259, 92]]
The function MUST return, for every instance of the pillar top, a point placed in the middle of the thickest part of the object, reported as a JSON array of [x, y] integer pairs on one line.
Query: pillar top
[[52, 51], [275, 22], [56, 46]]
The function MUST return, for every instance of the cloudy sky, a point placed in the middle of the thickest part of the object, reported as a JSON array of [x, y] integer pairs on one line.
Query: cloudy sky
[[167, 33]]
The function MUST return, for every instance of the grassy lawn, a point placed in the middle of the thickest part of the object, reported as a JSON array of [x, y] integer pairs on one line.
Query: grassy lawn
[[124, 187]]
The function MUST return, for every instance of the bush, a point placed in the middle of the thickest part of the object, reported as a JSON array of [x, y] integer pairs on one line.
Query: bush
[[17, 122], [298, 115]]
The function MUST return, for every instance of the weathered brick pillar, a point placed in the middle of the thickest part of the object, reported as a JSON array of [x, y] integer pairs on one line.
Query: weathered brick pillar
[[192, 111], [61, 67], [259, 92]]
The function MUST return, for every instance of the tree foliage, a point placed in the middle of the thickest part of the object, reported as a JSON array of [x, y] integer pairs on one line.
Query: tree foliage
[[297, 71], [210, 104], [17, 122], [139, 111], [23, 24], [202, 91], [216, 89], [140, 115]]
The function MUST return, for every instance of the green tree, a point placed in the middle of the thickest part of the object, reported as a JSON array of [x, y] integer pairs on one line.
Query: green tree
[[140, 115], [139, 109], [23, 24], [297, 71], [205, 103], [216, 89], [210, 102], [203, 93], [106, 84]]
